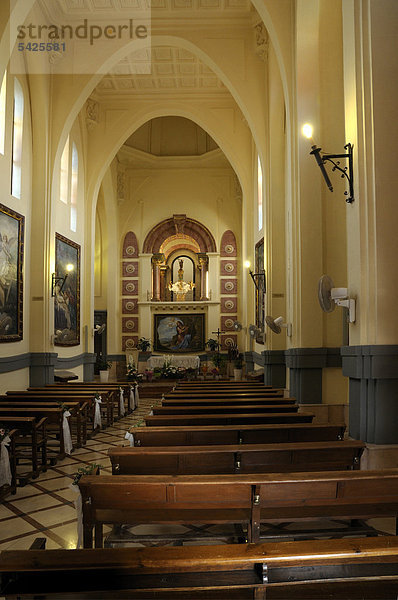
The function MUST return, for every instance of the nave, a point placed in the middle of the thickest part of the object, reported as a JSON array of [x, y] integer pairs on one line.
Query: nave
[[127, 507]]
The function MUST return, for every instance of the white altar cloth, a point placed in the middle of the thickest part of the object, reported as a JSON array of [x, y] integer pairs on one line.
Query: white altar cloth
[[188, 362]]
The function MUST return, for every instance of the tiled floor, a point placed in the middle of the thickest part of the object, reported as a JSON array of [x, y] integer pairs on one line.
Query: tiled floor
[[44, 507]]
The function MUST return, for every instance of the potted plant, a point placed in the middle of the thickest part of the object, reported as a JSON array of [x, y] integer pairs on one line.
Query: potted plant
[[238, 364], [233, 355], [217, 361], [212, 345], [103, 366]]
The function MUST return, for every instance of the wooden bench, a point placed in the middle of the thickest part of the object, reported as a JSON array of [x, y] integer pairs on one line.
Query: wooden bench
[[236, 434], [226, 409], [79, 395], [224, 395], [54, 416], [103, 388], [220, 419], [226, 401], [77, 420], [241, 501], [244, 458], [30, 444], [356, 568]]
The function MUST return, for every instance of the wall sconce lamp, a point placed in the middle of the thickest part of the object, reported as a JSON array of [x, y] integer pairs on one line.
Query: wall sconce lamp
[[60, 281], [321, 158], [256, 277]]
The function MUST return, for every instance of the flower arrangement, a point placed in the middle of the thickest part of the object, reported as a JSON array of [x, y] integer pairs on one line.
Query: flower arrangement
[[132, 373], [144, 344], [170, 372], [89, 470]]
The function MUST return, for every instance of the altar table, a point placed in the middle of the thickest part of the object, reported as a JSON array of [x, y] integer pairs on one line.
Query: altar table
[[185, 361]]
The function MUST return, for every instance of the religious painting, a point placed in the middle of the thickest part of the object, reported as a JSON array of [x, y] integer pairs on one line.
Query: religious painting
[[67, 294], [11, 269], [260, 290], [180, 333]]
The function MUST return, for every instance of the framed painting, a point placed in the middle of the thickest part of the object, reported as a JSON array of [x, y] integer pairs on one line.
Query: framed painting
[[11, 270], [67, 297], [179, 333], [260, 290]]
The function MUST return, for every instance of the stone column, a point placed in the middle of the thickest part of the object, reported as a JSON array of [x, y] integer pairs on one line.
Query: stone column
[[203, 266], [157, 260]]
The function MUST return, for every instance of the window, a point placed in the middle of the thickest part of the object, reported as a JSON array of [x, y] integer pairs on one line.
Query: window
[[16, 175], [68, 180], [259, 194], [73, 188], [3, 97], [64, 175]]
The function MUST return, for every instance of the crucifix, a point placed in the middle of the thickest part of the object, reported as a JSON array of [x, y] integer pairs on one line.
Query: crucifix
[[218, 333]]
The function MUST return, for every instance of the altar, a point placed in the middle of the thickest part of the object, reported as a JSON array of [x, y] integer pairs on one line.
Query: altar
[[183, 360]]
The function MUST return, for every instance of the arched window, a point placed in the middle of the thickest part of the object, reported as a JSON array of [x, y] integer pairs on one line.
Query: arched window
[[3, 97], [73, 188], [259, 194], [68, 180], [64, 175], [17, 134]]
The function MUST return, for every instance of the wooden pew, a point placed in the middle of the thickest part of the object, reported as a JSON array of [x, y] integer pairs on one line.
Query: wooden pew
[[54, 417], [226, 401], [106, 407], [225, 394], [225, 409], [220, 419], [222, 383], [348, 569], [30, 444], [10, 488], [236, 434], [77, 421], [111, 388], [244, 458], [245, 501]]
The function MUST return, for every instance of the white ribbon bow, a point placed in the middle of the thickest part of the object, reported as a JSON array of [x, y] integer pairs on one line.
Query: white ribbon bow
[[137, 397], [151, 413], [66, 429], [5, 469], [97, 413], [121, 402], [79, 513], [132, 399], [129, 436]]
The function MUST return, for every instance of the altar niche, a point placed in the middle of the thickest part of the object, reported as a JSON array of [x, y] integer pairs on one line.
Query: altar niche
[[181, 276]]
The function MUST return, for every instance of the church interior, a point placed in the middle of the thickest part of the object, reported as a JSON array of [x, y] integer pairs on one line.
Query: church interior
[[193, 188]]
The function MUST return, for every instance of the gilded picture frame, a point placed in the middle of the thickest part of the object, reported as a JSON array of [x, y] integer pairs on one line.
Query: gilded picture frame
[[12, 226], [67, 297]]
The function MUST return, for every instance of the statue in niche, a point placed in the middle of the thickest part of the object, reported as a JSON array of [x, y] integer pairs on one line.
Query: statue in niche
[[181, 287]]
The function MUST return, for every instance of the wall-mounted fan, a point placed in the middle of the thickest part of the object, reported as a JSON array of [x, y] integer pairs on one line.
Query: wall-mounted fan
[[237, 326], [276, 325], [329, 296], [99, 329], [253, 331]]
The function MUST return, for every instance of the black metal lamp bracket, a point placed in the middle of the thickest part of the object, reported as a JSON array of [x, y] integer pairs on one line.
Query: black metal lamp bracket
[[343, 170]]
